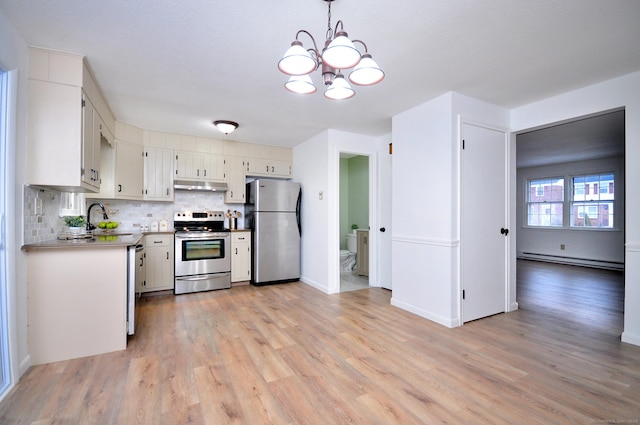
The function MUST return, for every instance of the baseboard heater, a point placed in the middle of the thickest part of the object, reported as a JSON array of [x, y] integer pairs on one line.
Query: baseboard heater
[[600, 264]]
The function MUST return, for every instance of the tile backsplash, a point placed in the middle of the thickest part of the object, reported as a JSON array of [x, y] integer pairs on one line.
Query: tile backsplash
[[130, 215]]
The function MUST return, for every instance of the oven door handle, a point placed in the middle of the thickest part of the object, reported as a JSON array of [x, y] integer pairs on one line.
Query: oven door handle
[[201, 277], [208, 236]]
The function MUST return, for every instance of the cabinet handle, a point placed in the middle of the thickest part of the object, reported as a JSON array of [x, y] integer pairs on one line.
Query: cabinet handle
[[273, 168], [205, 173], [167, 191], [157, 241], [119, 188], [267, 168], [167, 255], [236, 251], [232, 193]]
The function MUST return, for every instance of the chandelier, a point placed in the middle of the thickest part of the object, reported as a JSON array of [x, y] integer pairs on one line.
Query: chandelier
[[339, 53]]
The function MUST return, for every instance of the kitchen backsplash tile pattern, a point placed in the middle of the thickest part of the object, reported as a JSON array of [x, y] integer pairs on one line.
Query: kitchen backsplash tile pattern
[[131, 215]]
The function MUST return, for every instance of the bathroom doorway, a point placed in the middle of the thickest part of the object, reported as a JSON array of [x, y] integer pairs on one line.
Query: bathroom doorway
[[354, 222]]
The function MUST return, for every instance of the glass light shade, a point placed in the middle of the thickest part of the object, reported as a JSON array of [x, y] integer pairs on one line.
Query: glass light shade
[[301, 84], [367, 72], [225, 126], [341, 53], [296, 60], [340, 89]]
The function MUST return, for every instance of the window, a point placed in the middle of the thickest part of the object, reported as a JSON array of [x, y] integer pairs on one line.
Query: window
[[593, 208], [545, 198]]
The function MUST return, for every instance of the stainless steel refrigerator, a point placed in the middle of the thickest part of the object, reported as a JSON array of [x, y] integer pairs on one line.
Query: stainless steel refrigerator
[[273, 214]]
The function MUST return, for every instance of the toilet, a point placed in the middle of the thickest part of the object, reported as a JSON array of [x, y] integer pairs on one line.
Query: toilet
[[348, 256]]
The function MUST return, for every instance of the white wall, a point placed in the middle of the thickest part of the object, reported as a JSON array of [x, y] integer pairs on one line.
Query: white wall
[[608, 95], [310, 169], [601, 248], [14, 58], [426, 219]]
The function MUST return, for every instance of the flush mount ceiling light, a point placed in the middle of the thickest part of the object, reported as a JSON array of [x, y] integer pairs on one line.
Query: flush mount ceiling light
[[338, 53], [225, 126]]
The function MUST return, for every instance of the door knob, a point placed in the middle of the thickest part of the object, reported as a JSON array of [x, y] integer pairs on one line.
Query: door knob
[[382, 229], [504, 231]]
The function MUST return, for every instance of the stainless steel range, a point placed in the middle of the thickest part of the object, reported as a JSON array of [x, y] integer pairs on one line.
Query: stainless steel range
[[201, 252]]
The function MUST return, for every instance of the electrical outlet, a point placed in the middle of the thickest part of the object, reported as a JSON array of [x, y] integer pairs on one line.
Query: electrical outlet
[[561, 247], [38, 206]]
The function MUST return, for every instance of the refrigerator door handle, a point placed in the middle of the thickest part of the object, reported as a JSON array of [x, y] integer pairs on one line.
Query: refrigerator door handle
[[298, 205]]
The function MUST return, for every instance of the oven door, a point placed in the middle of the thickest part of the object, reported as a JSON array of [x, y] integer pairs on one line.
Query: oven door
[[199, 253]]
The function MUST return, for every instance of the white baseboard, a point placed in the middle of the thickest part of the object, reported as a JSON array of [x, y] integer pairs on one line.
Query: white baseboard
[[315, 285], [630, 338], [449, 323], [599, 264]]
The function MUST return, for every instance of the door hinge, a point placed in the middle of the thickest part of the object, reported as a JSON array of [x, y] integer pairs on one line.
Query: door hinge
[[83, 103], [463, 294]]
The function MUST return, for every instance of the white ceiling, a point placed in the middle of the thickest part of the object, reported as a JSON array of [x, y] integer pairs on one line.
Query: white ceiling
[[177, 65]]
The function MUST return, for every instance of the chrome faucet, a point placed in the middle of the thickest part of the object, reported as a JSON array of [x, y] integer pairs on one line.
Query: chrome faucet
[[104, 215]]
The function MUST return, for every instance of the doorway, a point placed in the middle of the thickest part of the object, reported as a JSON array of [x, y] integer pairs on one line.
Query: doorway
[[573, 153], [354, 222]]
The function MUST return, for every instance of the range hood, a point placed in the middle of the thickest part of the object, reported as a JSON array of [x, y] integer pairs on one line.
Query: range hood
[[200, 185]]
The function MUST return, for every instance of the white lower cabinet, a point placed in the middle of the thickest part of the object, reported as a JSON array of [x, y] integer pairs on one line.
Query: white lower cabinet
[[240, 256], [158, 262]]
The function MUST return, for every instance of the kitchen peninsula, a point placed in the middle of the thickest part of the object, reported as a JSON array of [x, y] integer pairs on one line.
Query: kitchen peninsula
[[77, 297]]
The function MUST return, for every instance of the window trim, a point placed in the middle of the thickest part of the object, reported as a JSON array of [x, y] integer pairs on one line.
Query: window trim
[[593, 203], [528, 202]]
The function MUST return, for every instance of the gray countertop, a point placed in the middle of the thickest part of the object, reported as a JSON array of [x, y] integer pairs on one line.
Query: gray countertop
[[99, 240]]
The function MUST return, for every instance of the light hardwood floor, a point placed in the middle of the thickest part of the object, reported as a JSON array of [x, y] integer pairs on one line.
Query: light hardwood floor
[[288, 354]]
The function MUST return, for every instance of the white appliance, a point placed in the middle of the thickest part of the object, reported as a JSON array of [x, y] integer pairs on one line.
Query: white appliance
[[273, 213]]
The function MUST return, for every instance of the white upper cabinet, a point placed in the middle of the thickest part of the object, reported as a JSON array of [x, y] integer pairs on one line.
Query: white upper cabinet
[[66, 111], [269, 161], [236, 180], [121, 165], [158, 174], [199, 166]]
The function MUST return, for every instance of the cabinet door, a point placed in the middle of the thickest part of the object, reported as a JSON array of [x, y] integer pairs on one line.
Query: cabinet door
[[363, 253], [158, 174], [90, 144], [159, 264], [215, 167], [236, 180], [129, 164], [241, 257], [187, 164]]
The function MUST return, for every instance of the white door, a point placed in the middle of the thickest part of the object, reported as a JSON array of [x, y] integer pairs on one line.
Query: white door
[[384, 219], [484, 230]]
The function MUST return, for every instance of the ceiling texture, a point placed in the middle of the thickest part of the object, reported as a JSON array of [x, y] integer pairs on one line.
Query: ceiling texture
[[175, 66]]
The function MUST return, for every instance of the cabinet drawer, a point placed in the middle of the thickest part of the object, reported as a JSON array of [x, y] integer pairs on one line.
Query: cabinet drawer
[[240, 237], [165, 240]]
